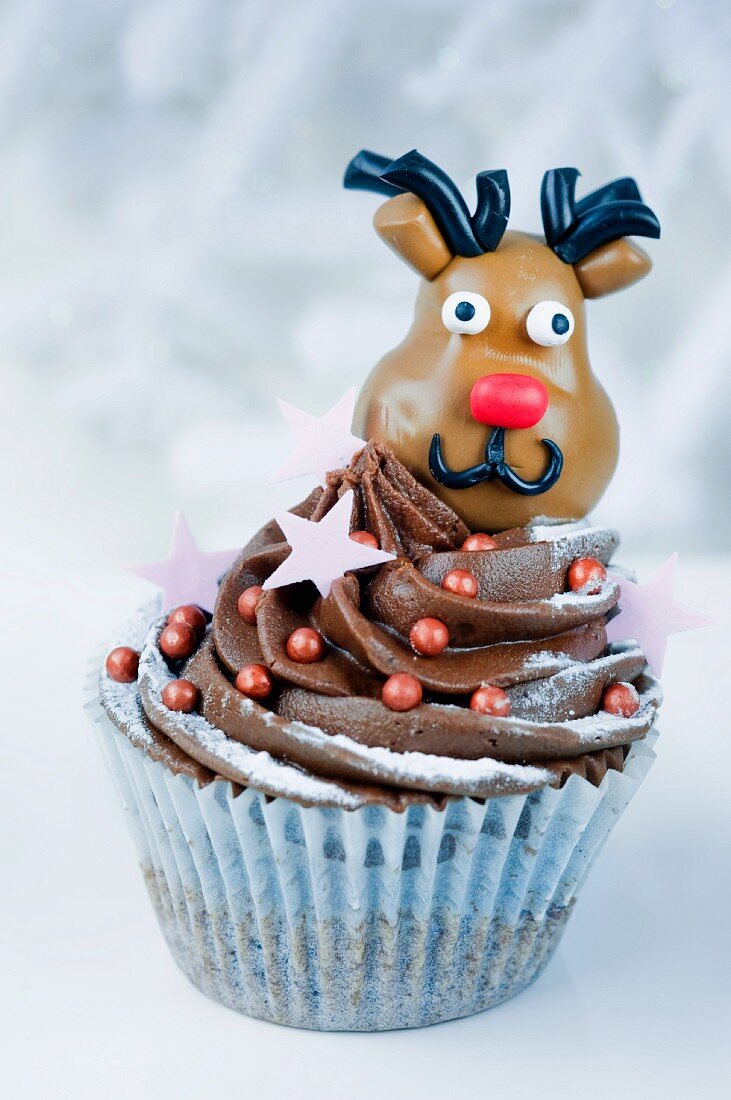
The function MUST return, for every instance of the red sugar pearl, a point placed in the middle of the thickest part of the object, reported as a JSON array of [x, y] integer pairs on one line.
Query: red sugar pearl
[[460, 582], [479, 541], [192, 615], [305, 645], [490, 700], [429, 637], [254, 681], [365, 538], [180, 695], [586, 575], [122, 664], [247, 601], [178, 640], [621, 699], [401, 692]]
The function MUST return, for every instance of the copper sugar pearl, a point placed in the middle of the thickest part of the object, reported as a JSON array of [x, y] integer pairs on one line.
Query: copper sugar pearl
[[429, 637], [247, 601], [305, 645], [460, 582], [586, 575], [490, 700], [178, 641], [192, 616], [122, 664], [180, 695], [621, 699], [479, 542], [254, 681], [365, 538], [402, 691]]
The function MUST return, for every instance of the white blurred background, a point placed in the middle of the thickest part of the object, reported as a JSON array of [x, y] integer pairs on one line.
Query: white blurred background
[[178, 251]]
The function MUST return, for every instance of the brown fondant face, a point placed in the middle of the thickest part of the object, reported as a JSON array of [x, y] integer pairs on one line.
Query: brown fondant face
[[423, 386]]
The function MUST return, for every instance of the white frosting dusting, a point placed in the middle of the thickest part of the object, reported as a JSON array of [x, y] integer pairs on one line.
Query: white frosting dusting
[[594, 726], [564, 600], [539, 699], [545, 660], [417, 769], [123, 700], [587, 728], [568, 541], [411, 769], [536, 699], [124, 705], [414, 770], [547, 532]]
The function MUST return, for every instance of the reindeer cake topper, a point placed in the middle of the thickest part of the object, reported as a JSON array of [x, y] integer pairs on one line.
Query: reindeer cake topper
[[498, 341]]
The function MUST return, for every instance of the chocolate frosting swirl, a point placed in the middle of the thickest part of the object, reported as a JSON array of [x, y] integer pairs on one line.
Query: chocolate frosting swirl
[[544, 645]]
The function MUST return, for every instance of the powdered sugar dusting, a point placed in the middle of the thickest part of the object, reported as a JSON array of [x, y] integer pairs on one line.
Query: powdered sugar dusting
[[564, 600], [594, 727], [412, 769], [547, 661], [544, 700], [568, 541], [123, 700], [260, 770], [417, 769], [547, 532], [256, 769]]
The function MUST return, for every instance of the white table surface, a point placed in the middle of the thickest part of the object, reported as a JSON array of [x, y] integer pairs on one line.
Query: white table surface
[[636, 1002]]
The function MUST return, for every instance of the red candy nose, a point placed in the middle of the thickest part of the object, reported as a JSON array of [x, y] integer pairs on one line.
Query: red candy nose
[[508, 400]]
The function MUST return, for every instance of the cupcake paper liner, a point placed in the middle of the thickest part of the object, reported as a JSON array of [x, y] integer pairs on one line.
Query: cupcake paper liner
[[366, 919]]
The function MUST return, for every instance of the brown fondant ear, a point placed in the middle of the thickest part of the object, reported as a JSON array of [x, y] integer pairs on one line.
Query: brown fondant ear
[[407, 227], [613, 266]]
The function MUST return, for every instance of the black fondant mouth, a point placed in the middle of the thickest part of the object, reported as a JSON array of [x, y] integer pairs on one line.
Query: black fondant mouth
[[495, 466]]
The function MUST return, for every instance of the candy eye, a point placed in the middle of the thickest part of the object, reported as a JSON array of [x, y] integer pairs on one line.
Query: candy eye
[[466, 312], [550, 324]]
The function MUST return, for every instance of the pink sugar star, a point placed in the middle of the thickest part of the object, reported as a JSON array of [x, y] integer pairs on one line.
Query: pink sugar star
[[324, 551], [649, 615], [324, 443], [188, 575]]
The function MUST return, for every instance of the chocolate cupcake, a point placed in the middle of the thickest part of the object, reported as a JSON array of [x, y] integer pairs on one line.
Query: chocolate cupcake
[[365, 794]]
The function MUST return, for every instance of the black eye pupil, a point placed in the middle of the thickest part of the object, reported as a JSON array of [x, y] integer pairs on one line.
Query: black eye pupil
[[560, 324], [465, 311]]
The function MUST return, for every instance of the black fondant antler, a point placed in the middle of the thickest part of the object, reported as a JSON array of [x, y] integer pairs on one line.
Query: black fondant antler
[[364, 174], [574, 229], [415, 173], [493, 208], [465, 235]]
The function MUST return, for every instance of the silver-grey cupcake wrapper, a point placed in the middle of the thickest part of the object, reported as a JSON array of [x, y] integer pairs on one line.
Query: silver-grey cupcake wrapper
[[361, 920]]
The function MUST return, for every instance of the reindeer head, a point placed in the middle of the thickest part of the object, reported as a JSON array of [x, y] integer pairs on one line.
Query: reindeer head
[[498, 341]]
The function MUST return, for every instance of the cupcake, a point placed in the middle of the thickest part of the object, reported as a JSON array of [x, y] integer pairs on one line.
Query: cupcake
[[367, 781]]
